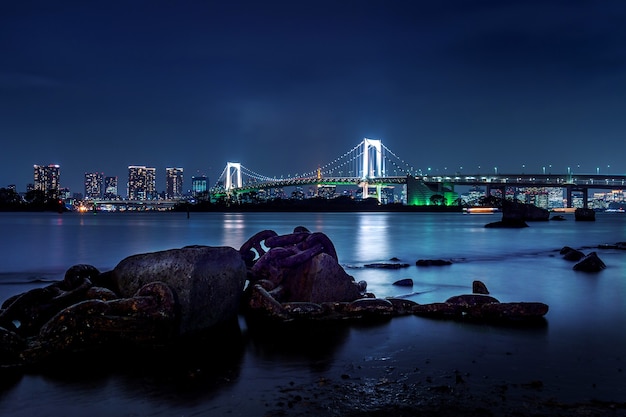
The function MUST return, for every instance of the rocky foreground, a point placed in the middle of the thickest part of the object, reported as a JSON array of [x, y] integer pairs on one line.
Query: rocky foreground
[[154, 298]]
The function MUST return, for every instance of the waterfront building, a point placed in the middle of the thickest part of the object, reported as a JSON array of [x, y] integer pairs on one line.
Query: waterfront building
[[151, 190], [326, 191], [420, 193], [110, 188], [65, 194], [555, 198], [47, 179], [93, 185], [141, 183], [174, 183], [387, 195], [199, 186]]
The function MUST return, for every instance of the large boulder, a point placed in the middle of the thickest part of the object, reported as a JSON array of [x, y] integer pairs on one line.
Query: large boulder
[[321, 279], [590, 263], [584, 214], [207, 282]]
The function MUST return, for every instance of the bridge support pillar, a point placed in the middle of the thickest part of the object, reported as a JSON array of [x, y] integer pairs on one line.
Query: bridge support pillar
[[568, 196], [569, 199], [366, 191]]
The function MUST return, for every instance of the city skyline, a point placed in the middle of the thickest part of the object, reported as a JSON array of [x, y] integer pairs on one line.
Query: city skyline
[[283, 87]]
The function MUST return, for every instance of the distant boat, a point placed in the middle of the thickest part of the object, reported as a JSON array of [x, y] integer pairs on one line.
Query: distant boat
[[617, 210], [480, 210]]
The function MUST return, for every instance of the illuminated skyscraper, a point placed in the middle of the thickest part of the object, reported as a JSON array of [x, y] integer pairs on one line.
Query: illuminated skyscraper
[[199, 186], [93, 185], [151, 191], [47, 179], [110, 188], [141, 183], [174, 182]]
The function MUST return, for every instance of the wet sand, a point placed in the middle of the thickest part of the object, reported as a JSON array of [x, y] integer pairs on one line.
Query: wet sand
[[406, 366], [356, 396]]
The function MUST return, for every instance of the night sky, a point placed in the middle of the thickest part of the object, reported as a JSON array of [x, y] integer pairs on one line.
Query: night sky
[[283, 87]]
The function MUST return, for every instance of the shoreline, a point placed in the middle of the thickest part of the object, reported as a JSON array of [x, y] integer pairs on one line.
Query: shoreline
[[377, 397], [425, 393]]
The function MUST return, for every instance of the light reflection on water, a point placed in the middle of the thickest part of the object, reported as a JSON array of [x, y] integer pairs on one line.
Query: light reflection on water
[[578, 353]]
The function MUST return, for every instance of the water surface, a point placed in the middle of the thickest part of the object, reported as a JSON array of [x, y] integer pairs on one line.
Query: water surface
[[578, 354]]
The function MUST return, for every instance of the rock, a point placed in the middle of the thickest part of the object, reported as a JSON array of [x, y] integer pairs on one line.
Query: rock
[[207, 281], [590, 263], [470, 300], [618, 245], [11, 345], [513, 311], [77, 274], [478, 287], [406, 282], [370, 307], [438, 310], [565, 249], [558, 217], [306, 310], [383, 265], [607, 246], [507, 224], [321, 279], [482, 308], [585, 214], [402, 306], [432, 262], [570, 254]]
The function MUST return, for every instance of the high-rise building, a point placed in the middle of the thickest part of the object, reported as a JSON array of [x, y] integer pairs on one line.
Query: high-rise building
[[141, 183], [93, 185], [110, 188], [151, 190], [199, 186], [174, 183], [47, 179]]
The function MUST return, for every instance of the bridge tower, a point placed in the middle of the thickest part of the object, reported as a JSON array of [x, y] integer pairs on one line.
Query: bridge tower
[[233, 169], [371, 165]]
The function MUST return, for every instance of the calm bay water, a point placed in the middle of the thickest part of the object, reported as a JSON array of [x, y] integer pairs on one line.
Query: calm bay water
[[579, 354]]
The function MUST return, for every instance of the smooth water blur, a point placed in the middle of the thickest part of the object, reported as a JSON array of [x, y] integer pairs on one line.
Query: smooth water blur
[[578, 354]]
